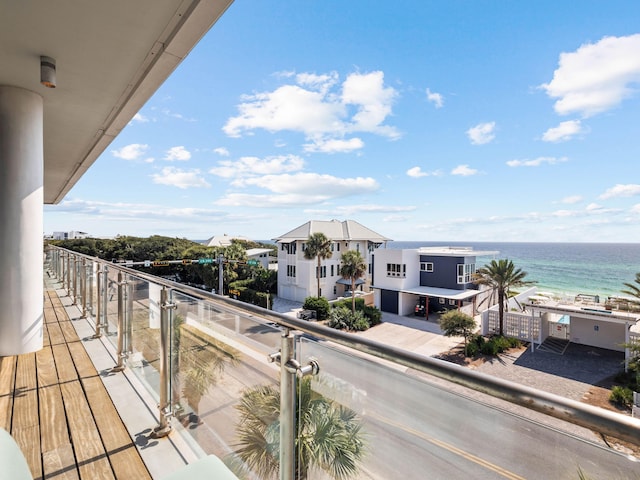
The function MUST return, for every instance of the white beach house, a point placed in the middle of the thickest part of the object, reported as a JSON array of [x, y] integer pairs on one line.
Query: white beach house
[[297, 275]]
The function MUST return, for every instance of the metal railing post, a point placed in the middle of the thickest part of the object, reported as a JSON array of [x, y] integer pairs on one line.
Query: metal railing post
[[89, 290], [290, 369], [121, 325], [68, 273], [83, 286], [287, 409], [166, 322], [99, 306], [75, 280]]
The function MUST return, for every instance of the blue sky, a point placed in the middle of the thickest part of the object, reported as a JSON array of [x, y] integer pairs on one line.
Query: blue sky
[[425, 120]]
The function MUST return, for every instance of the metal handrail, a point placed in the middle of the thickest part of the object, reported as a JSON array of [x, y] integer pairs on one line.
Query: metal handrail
[[603, 421]]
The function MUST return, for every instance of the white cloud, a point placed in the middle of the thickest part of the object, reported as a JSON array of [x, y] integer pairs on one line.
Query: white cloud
[[416, 172], [482, 133], [352, 210], [177, 153], [119, 210], [596, 77], [334, 145], [138, 117], [297, 189], [319, 108], [464, 170], [131, 152], [252, 166], [636, 208], [619, 190], [536, 162], [435, 98], [180, 178], [223, 152], [563, 132], [314, 183], [572, 199]]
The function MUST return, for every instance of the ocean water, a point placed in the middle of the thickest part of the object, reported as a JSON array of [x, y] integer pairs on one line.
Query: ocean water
[[562, 268]]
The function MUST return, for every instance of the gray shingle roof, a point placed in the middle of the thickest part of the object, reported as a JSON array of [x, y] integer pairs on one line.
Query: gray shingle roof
[[334, 230]]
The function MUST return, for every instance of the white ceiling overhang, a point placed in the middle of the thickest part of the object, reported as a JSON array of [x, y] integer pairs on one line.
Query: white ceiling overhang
[[110, 56]]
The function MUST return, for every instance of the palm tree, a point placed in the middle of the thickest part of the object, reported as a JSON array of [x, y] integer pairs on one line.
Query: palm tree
[[633, 290], [318, 246], [501, 275], [329, 435], [353, 267]]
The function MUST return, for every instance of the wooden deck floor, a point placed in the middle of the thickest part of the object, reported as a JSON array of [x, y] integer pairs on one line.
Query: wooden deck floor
[[54, 403]]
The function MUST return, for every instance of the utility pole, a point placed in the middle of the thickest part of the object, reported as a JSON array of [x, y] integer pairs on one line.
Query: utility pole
[[220, 275]]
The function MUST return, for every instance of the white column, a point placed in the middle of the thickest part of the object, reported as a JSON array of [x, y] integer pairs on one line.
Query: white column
[[21, 221]]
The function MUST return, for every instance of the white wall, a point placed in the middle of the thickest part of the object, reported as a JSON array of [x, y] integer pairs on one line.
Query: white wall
[[597, 333]]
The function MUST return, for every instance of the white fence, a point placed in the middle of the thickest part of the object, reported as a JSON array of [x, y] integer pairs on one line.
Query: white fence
[[522, 326]]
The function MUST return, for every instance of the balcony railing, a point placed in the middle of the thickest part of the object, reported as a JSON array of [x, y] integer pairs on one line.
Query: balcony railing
[[274, 395]]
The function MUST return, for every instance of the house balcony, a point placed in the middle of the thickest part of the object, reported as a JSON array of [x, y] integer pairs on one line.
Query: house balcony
[[151, 376]]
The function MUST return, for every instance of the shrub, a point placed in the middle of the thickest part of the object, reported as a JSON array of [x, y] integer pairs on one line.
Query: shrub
[[319, 305], [373, 314], [621, 396], [489, 348], [472, 349], [342, 318]]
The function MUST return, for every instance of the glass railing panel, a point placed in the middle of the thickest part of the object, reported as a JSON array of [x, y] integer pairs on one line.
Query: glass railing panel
[[415, 429], [143, 322], [219, 356]]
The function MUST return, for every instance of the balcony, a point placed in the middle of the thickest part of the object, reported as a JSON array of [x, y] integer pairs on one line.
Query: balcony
[[193, 374]]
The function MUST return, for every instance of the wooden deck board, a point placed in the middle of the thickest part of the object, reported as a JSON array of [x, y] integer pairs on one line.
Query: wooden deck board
[[57, 451], [64, 363], [114, 435], [7, 377], [56, 336], [90, 453], [25, 425], [54, 404], [69, 333], [83, 364]]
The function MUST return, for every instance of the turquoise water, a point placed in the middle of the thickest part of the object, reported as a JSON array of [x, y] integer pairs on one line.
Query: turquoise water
[[562, 268]]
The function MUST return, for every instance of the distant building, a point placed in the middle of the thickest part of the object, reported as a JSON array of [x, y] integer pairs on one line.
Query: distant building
[[297, 275], [428, 279], [73, 235], [223, 240], [260, 254]]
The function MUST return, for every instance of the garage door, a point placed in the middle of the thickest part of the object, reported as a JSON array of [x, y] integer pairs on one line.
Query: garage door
[[389, 301]]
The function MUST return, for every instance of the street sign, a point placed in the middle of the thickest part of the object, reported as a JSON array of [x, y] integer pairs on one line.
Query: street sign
[[161, 264], [203, 261], [147, 263], [186, 262], [253, 262]]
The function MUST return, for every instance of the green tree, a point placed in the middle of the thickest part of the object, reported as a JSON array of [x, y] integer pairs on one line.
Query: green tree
[[501, 275], [329, 435], [455, 323], [353, 267], [319, 247], [634, 289]]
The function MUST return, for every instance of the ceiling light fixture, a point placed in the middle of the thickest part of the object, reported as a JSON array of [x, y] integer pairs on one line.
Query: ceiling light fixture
[[48, 72]]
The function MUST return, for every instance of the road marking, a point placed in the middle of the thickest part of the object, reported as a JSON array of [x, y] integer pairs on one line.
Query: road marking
[[451, 448]]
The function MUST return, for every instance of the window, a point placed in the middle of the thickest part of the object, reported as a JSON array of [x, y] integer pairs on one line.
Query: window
[[465, 272], [426, 266], [441, 301], [332, 270], [323, 271], [396, 270], [290, 248], [291, 270], [452, 302]]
